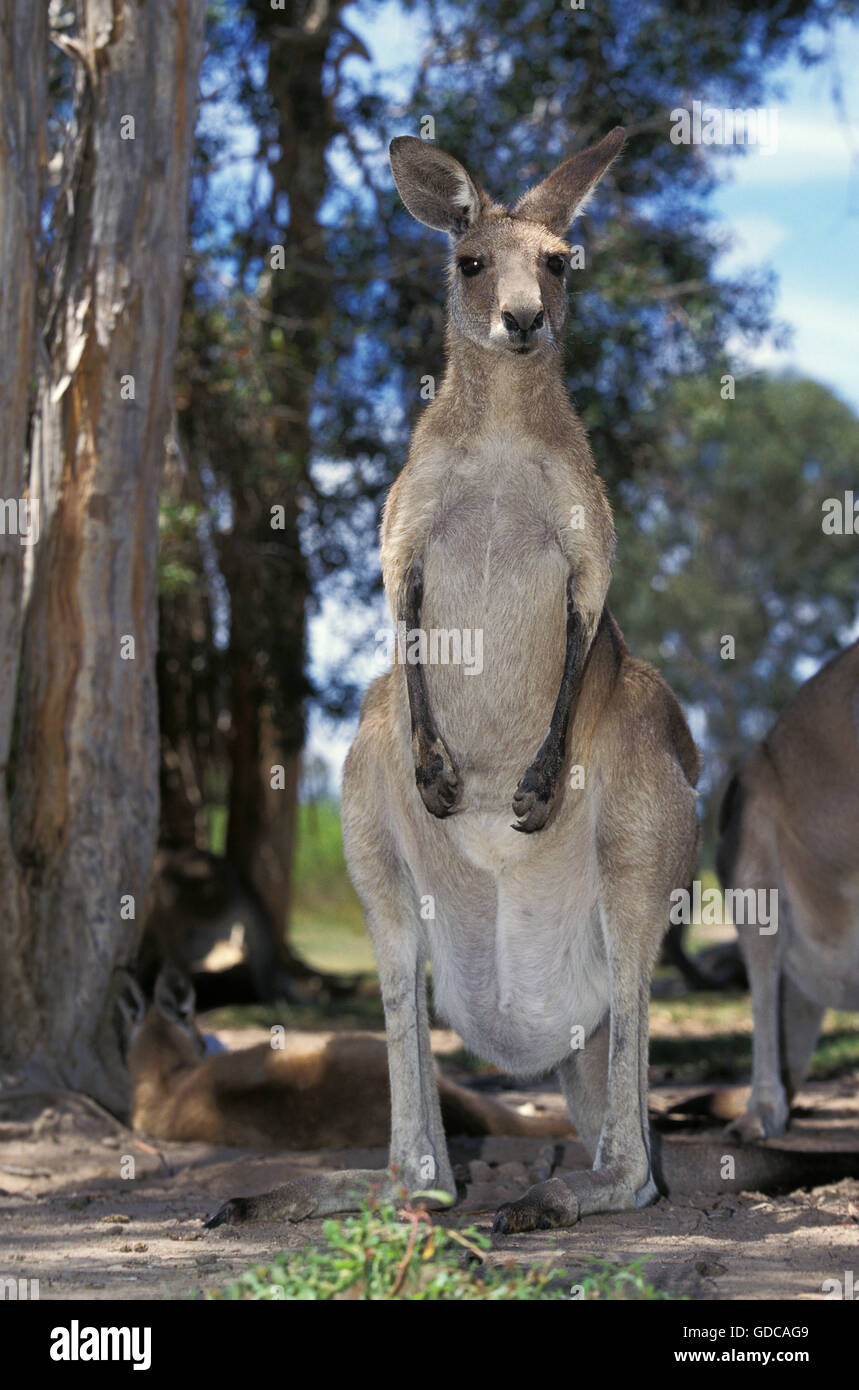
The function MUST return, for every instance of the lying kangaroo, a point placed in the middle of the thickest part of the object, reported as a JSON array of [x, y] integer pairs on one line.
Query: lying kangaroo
[[789, 823], [314, 1095], [542, 933]]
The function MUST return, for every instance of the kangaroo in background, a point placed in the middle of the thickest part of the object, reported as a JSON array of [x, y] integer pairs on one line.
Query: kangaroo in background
[[311, 1095], [542, 931], [199, 908], [789, 822]]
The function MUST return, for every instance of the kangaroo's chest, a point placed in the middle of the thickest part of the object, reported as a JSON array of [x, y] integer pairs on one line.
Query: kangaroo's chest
[[495, 579], [499, 516]]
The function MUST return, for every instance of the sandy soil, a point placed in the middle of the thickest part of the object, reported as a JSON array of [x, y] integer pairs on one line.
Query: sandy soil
[[73, 1217]]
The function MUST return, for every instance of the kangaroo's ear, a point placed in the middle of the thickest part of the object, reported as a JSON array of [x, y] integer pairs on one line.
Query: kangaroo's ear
[[130, 1003], [174, 996], [557, 201], [435, 187]]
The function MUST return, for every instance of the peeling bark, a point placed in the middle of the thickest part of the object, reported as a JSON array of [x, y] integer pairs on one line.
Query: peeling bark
[[23, 42], [85, 806]]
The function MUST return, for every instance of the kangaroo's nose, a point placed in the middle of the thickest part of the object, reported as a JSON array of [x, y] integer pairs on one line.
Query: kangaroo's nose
[[523, 322]]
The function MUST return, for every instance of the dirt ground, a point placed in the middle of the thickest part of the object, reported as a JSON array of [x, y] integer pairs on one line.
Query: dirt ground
[[73, 1216]]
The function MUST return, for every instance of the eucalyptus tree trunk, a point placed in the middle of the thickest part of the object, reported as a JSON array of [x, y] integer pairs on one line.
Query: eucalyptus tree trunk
[[84, 810], [23, 46]]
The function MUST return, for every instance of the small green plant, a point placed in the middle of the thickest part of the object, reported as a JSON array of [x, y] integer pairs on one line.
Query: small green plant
[[386, 1253], [401, 1254]]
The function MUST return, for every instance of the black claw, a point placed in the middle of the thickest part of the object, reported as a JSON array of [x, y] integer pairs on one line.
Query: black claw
[[500, 1226], [528, 829], [234, 1210]]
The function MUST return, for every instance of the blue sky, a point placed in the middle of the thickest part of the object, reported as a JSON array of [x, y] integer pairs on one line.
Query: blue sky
[[798, 212], [795, 210]]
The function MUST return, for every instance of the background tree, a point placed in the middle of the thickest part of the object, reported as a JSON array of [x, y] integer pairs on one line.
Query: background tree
[[723, 539], [84, 805], [248, 371], [23, 98]]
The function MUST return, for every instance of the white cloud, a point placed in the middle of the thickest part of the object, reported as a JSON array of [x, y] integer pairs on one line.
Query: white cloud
[[810, 148], [824, 341], [754, 237]]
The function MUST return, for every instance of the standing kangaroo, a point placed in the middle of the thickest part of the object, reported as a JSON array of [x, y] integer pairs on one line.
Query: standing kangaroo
[[542, 933], [789, 823]]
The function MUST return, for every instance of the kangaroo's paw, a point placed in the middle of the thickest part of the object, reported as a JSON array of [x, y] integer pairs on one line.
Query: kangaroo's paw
[[764, 1119], [436, 778], [535, 794], [562, 1200], [548, 1204]]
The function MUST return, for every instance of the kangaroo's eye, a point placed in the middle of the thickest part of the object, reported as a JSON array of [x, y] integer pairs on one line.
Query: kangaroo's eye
[[555, 264], [470, 265]]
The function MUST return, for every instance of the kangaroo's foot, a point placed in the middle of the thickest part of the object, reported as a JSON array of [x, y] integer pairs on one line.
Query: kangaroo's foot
[[562, 1200], [436, 777], [536, 792], [321, 1194], [766, 1118]]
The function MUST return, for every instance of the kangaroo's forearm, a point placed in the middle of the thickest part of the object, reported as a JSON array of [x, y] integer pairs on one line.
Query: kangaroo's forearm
[[435, 775], [575, 657], [537, 789], [409, 612], [581, 632]]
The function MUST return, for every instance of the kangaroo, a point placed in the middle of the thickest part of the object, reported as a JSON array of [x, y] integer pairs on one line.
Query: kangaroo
[[200, 909], [313, 1094], [542, 931], [789, 824]]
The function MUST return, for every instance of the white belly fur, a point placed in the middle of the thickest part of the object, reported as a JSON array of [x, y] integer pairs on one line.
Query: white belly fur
[[515, 974]]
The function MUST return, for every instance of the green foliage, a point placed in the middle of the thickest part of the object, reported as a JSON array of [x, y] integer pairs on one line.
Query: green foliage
[[178, 550], [327, 919], [723, 537], [382, 1254]]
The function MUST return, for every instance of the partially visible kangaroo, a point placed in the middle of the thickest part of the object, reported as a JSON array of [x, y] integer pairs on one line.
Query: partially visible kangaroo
[[318, 1096], [200, 907], [542, 933], [789, 823]]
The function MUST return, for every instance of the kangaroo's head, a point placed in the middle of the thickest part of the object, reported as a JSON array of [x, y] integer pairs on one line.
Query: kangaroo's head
[[164, 1036], [507, 268]]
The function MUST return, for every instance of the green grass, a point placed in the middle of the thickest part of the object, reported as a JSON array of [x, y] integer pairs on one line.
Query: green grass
[[383, 1254], [327, 921], [708, 1037]]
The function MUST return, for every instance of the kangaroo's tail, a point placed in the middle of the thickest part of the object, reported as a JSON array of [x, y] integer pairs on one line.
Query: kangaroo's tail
[[466, 1112]]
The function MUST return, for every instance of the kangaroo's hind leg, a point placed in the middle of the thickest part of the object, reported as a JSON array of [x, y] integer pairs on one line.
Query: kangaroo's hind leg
[[786, 1029], [418, 1152], [603, 1087], [606, 1082], [800, 1022]]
